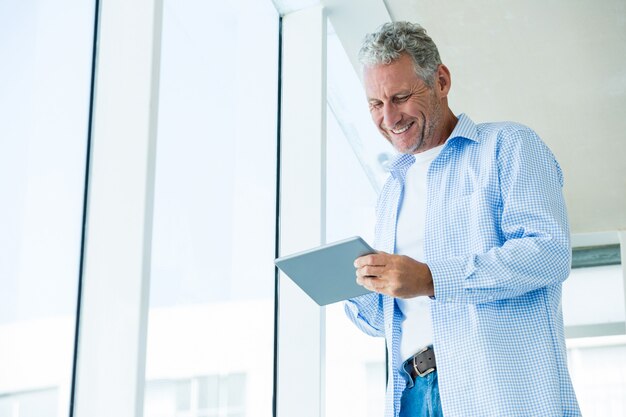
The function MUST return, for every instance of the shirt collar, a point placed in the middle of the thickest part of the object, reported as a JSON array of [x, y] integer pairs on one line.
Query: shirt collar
[[465, 128], [400, 164]]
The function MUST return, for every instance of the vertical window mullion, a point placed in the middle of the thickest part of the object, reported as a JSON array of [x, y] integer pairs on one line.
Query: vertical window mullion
[[115, 284]]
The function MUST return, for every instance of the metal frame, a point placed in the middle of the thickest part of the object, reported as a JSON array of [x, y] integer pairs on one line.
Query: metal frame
[[110, 357], [302, 207], [591, 256], [302, 222]]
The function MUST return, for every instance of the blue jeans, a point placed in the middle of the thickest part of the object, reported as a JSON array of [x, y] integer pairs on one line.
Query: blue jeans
[[421, 398]]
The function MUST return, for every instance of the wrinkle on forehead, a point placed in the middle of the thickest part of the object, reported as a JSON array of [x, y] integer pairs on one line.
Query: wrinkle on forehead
[[387, 80]]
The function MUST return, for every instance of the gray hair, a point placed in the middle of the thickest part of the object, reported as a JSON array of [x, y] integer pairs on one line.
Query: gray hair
[[393, 39]]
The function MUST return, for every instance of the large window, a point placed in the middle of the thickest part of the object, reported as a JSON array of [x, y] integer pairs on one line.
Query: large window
[[45, 80], [211, 320]]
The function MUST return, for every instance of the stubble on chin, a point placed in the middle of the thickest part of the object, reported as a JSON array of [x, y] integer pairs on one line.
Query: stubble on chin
[[415, 147], [411, 147]]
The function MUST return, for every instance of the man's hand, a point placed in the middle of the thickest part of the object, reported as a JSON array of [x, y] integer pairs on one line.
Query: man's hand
[[394, 275]]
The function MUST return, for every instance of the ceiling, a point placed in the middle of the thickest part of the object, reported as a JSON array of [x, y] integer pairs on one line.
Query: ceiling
[[558, 66]]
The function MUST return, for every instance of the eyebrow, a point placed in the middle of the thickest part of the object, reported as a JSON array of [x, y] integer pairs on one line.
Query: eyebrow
[[402, 93]]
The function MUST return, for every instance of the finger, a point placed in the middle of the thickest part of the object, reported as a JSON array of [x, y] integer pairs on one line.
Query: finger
[[370, 271], [378, 259], [372, 284]]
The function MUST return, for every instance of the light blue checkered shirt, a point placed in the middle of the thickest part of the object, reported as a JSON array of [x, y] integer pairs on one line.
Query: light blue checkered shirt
[[497, 244]]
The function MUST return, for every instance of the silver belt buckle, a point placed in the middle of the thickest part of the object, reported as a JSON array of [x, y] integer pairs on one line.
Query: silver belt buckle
[[427, 371]]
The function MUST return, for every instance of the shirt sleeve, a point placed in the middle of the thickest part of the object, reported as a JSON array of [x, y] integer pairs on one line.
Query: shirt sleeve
[[366, 312], [533, 224]]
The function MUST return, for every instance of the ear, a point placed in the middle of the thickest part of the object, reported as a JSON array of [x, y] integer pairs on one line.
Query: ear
[[443, 81]]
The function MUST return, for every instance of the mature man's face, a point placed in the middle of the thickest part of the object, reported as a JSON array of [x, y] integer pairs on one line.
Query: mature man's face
[[406, 111]]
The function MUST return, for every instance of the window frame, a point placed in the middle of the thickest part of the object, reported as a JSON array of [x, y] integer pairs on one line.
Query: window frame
[[111, 342]]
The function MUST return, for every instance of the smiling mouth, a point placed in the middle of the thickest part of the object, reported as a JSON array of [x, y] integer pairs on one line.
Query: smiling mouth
[[402, 129]]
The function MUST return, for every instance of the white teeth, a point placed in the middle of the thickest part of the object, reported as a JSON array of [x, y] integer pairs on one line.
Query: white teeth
[[401, 130]]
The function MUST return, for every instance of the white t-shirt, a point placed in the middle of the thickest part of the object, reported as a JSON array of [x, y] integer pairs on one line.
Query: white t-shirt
[[417, 328]]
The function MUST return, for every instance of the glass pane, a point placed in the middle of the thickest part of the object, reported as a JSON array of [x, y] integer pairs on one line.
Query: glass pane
[[598, 370], [212, 281], [594, 297], [30, 404], [600, 290], [236, 390], [45, 80], [375, 373], [183, 395], [208, 392], [353, 156], [160, 398]]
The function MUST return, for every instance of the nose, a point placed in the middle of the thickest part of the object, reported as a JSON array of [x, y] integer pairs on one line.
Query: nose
[[391, 116]]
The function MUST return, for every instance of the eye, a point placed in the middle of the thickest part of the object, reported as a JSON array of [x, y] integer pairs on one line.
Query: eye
[[374, 105], [401, 98]]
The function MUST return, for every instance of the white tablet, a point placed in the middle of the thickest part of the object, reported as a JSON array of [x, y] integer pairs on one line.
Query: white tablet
[[327, 273]]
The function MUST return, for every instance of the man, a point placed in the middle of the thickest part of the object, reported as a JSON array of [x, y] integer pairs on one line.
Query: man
[[474, 245]]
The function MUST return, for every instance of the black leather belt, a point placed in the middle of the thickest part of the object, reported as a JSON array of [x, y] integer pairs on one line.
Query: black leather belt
[[421, 364]]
